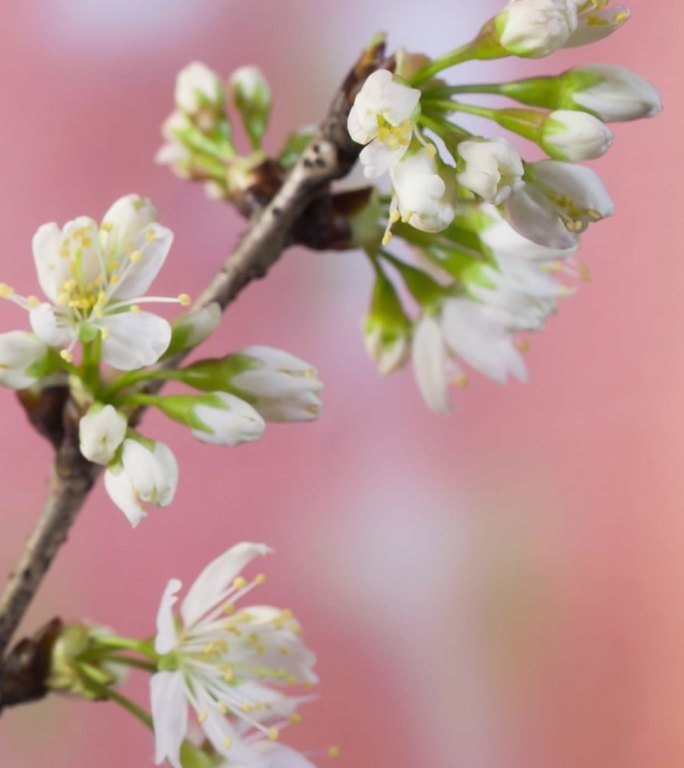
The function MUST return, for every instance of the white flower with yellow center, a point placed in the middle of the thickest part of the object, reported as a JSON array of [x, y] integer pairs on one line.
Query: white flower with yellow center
[[383, 118], [95, 278], [424, 192], [557, 203], [227, 664]]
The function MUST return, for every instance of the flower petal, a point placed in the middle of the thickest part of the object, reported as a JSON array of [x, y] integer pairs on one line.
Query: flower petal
[[153, 243], [166, 637], [169, 716], [134, 340], [121, 492], [49, 327], [377, 158], [209, 587], [280, 756], [430, 364], [52, 269]]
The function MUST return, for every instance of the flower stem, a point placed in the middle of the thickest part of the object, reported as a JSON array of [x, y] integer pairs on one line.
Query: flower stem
[[137, 377], [467, 52], [128, 644]]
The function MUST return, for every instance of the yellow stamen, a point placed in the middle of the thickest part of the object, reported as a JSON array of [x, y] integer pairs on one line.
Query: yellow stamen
[[185, 300], [239, 583], [203, 715], [273, 734], [296, 718], [66, 356], [6, 291], [135, 309], [333, 751], [104, 333], [32, 302]]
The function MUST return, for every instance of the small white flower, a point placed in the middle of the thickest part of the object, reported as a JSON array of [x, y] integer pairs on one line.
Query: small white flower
[[536, 28], [19, 354], [424, 194], [612, 93], [595, 23], [198, 87], [95, 279], [575, 136], [101, 431], [465, 331], [492, 169], [144, 475], [229, 665], [383, 118], [280, 386], [557, 203], [227, 420]]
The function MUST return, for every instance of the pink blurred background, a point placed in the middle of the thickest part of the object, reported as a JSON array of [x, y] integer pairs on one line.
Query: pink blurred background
[[493, 589]]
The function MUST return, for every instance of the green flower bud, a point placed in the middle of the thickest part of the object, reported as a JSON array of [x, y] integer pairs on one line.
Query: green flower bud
[[252, 98]]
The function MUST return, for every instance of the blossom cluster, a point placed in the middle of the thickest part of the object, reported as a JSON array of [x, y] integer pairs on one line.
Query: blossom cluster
[[92, 335], [238, 675], [492, 233]]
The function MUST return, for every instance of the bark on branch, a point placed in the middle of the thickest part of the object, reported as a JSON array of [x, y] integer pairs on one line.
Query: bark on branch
[[330, 156]]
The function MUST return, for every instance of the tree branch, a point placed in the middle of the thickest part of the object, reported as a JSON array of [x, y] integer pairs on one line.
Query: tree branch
[[330, 156]]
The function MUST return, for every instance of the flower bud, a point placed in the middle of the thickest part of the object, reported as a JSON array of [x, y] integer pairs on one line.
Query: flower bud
[[74, 646], [490, 169], [280, 386], [387, 328], [252, 98], [219, 418], [23, 359], [226, 420], [125, 219], [574, 136], [101, 431], [610, 93], [191, 330], [535, 28], [146, 473], [198, 89]]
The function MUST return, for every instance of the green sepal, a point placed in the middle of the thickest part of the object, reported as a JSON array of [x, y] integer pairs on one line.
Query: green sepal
[[214, 375], [181, 408], [189, 331], [192, 756], [254, 108]]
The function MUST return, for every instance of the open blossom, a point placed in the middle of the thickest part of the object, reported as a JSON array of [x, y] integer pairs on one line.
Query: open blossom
[[228, 664], [383, 118], [536, 28], [95, 278], [595, 22], [145, 475], [280, 386], [424, 193], [575, 136], [557, 203], [463, 332], [491, 169]]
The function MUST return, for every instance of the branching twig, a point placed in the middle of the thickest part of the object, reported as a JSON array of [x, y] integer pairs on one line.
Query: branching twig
[[330, 156]]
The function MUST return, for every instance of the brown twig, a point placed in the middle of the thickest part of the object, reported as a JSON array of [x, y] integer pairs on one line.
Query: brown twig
[[330, 156]]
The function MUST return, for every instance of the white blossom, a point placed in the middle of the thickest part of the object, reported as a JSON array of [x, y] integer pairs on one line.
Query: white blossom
[[558, 202], [383, 118], [491, 169], [464, 331], [248, 82], [613, 93], [144, 475], [101, 431], [227, 420], [536, 28], [595, 22], [198, 87], [280, 386], [229, 665], [424, 194], [95, 279], [575, 136], [20, 352]]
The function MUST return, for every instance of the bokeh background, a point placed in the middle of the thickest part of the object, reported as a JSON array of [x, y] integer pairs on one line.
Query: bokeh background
[[498, 588]]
